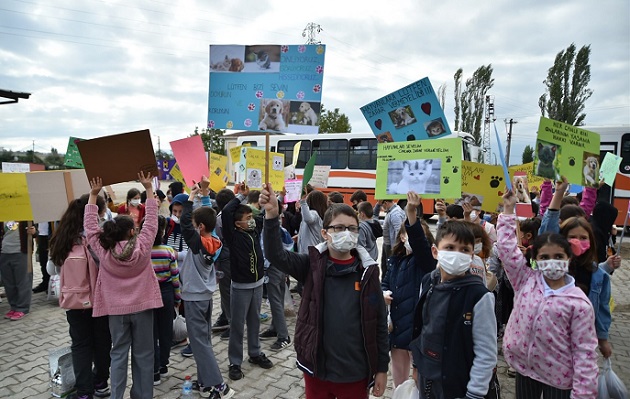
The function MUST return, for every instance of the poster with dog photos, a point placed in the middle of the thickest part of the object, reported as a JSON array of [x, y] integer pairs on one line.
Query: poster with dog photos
[[482, 186], [431, 168], [411, 113], [271, 88], [565, 150], [252, 168]]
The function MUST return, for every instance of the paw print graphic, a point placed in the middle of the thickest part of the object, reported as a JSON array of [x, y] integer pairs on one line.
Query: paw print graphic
[[319, 69], [495, 181], [280, 94], [210, 124], [320, 49], [300, 95], [248, 122], [284, 49], [455, 169], [229, 125], [301, 49], [449, 158], [259, 94], [446, 180], [317, 88], [251, 106], [571, 161]]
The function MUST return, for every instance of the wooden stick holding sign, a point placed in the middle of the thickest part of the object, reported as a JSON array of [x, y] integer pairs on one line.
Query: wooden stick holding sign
[[29, 248], [266, 178]]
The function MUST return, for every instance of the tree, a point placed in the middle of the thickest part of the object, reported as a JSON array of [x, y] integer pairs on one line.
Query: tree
[[528, 154], [212, 139], [54, 160], [566, 86], [469, 103], [163, 155], [441, 95], [333, 121]]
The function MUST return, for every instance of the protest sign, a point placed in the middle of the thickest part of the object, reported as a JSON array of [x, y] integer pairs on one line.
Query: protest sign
[[72, 159], [15, 203], [431, 168], [15, 167], [320, 176], [609, 168], [253, 165], [293, 190], [191, 158], [133, 153], [565, 150], [274, 88], [176, 174], [482, 186], [411, 113]]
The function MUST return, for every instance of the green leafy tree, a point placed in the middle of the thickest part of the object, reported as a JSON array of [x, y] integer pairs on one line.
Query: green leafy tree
[[528, 154], [54, 160], [212, 139], [458, 96], [469, 103], [566, 86], [333, 121], [7, 156]]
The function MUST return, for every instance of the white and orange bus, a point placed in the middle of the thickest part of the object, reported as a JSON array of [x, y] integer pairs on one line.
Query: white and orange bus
[[351, 156]]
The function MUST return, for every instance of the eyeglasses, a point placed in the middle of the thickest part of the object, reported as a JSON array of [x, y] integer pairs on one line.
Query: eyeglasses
[[340, 227]]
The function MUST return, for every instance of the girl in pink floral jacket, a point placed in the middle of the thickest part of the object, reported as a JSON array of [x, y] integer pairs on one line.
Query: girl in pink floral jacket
[[550, 339]]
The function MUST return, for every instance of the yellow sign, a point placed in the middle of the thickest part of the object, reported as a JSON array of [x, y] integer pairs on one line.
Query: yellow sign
[[528, 168], [482, 185], [253, 161], [15, 203], [176, 173], [218, 171]]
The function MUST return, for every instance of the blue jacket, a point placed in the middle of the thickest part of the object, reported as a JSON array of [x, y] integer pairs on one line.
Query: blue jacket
[[403, 278], [599, 295]]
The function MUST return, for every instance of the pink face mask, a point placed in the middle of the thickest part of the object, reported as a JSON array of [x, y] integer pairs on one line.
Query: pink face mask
[[579, 246]]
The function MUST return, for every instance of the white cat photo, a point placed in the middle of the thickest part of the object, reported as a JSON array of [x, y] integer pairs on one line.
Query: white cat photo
[[415, 174]]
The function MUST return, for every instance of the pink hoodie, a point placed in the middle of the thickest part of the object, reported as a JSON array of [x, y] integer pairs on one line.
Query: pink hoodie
[[589, 198], [549, 339], [130, 286]]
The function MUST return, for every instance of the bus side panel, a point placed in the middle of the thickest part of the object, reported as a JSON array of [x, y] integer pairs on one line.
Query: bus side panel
[[621, 197]]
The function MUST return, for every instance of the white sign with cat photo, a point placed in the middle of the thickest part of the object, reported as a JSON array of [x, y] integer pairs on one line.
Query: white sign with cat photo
[[419, 175]]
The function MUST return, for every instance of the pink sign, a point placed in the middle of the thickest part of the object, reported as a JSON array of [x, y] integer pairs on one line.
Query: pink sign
[[191, 158]]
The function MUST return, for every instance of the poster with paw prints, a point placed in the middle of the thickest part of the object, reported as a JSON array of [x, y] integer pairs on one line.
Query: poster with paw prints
[[566, 150], [271, 88], [431, 168], [411, 113], [252, 168], [482, 186]]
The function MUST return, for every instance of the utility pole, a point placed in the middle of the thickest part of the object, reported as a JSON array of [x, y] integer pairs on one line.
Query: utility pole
[[309, 32], [33, 155], [509, 141], [488, 120]]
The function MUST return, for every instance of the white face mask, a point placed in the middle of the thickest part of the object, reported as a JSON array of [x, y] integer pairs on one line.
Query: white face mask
[[175, 219], [135, 202], [453, 262], [478, 248], [553, 269], [473, 215], [344, 241], [251, 224], [408, 246]]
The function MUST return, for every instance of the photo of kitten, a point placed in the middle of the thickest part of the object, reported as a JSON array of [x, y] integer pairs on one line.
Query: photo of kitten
[[545, 156], [419, 175]]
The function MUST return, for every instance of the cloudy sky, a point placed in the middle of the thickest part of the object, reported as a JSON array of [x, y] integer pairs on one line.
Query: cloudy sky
[[100, 67]]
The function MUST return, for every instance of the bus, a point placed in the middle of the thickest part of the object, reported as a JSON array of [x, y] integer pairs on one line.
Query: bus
[[615, 139], [351, 156]]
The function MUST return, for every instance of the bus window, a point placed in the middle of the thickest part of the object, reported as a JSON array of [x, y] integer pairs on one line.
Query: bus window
[[250, 143], [331, 152], [286, 147], [362, 154], [625, 154]]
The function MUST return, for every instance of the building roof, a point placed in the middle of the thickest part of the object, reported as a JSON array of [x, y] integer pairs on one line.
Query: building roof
[[13, 96]]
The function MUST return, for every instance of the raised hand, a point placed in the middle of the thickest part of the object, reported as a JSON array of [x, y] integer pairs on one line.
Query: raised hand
[[440, 208], [468, 208], [413, 199], [269, 202], [145, 180], [562, 185], [96, 185], [509, 202]]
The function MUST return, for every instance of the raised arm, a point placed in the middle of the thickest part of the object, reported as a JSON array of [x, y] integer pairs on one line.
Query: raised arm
[[150, 225]]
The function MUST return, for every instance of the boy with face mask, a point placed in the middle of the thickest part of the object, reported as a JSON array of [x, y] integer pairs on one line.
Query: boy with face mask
[[242, 232], [454, 343]]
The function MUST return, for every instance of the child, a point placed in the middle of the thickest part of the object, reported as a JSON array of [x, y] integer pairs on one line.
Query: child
[[246, 262], [411, 259], [127, 290], [133, 206], [164, 261], [91, 341], [198, 285], [341, 330], [370, 229], [550, 339], [454, 338]]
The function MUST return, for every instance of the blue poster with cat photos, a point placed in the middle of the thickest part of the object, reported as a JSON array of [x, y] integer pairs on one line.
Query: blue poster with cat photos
[[566, 150], [271, 88], [431, 168], [411, 113]]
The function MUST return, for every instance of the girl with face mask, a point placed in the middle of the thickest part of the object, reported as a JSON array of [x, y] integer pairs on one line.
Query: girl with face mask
[[411, 259], [550, 338], [133, 207]]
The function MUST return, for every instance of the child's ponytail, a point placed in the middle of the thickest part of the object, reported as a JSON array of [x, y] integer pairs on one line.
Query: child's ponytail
[[116, 230]]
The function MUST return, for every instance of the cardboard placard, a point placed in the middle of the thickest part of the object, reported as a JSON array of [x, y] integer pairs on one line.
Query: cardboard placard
[[482, 186], [177, 175], [609, 168], [565, 150], [293, 190], [72, 159], [411, 113], [118, 158], [15, 203], [191, 158], [320, 176], [252, 166], [266, 87], [431, 168]]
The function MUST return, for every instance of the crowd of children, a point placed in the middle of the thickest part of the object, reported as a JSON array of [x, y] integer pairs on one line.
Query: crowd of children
[[437, 308]]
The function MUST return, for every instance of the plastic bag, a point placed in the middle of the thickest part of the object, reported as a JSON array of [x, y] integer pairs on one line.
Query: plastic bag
[[406, 390], [289, 308], [179, 327], [53, 288], [616, 389]]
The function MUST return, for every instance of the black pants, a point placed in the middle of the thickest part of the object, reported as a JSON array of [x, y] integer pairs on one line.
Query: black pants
[[91, 342], [224, 277], [42, 257], [386, 252], [163, 326], [527, 388]]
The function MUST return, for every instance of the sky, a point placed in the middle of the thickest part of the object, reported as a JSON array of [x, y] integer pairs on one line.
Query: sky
[[102, 67]]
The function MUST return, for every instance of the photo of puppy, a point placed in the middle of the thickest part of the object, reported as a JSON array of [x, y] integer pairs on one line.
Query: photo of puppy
[[521, 189], [545, 155], [236, 65], [222, 66], [254, 178], [262, 60], [591, 170], [277, 163], [273, 116], [413, 177], [402, 116], [435, 127], [309, 114], [474, 200]]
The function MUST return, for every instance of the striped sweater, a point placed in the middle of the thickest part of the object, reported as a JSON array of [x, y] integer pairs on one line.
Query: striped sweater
[[164, 261]]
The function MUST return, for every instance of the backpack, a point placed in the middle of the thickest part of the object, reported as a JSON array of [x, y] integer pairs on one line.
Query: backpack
[[78, 278]]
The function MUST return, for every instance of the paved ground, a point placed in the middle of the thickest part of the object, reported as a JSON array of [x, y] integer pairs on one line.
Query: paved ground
[[24, 346]]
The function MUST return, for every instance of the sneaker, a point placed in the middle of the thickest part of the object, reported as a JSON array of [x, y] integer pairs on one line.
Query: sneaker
[[235, 372], [268, 334], [163, 371], [224, 393], [262, 361], [40, 288], [220, 325], [187, 351], [264, 317], [156, 379], [175, 344], [280, 344], [9, 314], [101, 389], [225, 335], [17, 316]]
